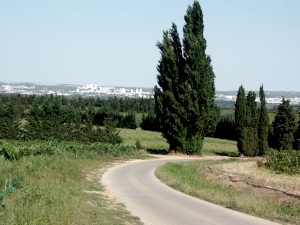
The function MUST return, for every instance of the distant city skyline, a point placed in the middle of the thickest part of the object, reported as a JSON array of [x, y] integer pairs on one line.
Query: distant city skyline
[[93, 90], [112, 43]]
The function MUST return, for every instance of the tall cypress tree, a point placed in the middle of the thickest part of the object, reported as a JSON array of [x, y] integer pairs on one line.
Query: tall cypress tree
[[263, 123], [246, 121], [184, 97], [200, 88], [240, 119], [284, 126], [251, 126], [167, 107]]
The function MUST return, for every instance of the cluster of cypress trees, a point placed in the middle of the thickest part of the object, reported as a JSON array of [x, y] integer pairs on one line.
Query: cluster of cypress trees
[[251, 123], [184, 97], [254, 131]]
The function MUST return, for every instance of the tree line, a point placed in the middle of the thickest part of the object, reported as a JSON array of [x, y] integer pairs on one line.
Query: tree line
[[27, 117]]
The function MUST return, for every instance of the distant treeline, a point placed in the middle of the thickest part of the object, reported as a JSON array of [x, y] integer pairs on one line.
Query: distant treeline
[[46, 117], [30, 117]]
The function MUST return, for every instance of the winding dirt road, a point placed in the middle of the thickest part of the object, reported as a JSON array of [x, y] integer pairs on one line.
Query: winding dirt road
[[135, 185]]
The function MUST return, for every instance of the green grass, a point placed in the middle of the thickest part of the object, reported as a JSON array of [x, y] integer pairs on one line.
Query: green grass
[[53, 189], [148, 139], [46, 190], [185, 177], [154, 141], [214, 146]]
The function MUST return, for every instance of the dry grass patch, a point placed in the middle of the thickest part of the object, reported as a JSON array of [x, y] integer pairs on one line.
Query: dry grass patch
[[256, 180], [238, 184]]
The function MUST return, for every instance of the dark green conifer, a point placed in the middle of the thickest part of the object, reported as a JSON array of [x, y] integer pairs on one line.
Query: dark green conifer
[[9, 120], [240, 119], [284, 126], [263, 123], [184, 97], [110, 134], [167, 107], [251, 126]]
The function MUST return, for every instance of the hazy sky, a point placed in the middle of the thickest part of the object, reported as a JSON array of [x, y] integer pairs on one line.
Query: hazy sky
[[113, 42]]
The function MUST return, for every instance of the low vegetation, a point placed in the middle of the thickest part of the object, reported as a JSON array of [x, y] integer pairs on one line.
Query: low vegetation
[[15, 150], [149, 140], [52, 183], [236, 189], [214, 146], [283, 161]]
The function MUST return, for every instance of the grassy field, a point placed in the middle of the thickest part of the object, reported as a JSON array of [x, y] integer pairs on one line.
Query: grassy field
[[195, 179], [148, 139], [155, 142], [214, 146], [59, 189]]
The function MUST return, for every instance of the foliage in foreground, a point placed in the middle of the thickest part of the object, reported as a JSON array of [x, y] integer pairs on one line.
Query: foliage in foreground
[[15, 150], [283, 161], [186, 177], [39, 190], [47, 188]]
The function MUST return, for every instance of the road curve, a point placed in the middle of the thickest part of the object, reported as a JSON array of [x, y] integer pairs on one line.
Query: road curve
[[135, 185]]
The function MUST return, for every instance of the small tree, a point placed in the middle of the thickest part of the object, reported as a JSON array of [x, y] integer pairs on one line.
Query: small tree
[[110, 134], [284, 126], [129, 121]]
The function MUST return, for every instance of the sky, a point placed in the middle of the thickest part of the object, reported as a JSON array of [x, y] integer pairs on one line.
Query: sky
[[113, 42]]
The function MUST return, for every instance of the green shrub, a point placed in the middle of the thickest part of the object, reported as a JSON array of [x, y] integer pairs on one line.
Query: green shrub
[[138, 144], [14, 150], [287, 161]]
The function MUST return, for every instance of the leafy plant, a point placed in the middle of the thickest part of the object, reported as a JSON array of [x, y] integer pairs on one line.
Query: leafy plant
[[283, 161], [17, 149]]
